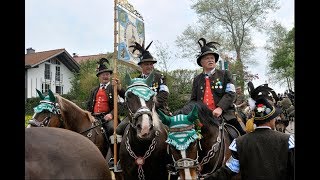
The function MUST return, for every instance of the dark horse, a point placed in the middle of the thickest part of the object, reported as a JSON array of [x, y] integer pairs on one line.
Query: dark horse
[[143, 154], [205, 154], [57, 111], [55, 153]]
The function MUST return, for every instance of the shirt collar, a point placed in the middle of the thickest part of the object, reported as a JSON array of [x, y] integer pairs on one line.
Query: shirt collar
[[210, 72], [105, 85], [263, 127]]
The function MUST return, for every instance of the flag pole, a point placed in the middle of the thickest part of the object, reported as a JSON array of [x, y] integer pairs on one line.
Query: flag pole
[[115, 92]]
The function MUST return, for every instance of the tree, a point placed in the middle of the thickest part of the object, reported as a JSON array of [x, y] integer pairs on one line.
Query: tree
[[281, 47], [230, 22]]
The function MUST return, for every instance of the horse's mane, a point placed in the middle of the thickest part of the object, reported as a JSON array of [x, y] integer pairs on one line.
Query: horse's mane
[[204, 113], [73, 110]]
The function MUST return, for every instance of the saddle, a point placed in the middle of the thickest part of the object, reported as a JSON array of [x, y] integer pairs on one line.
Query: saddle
[[232, 131]]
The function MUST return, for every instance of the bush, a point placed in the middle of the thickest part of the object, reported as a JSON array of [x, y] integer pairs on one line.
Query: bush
[[30, 104], [26, 120]]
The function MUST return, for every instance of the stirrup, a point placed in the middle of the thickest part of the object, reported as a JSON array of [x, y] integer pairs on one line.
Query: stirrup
[[117, 168]]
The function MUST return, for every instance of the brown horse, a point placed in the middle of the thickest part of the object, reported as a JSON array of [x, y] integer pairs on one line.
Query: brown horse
[[143, 153], [55, 153], [57, 111], [197, 158]]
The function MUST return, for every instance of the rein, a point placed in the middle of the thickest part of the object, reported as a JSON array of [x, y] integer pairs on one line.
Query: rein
[[215, 147]]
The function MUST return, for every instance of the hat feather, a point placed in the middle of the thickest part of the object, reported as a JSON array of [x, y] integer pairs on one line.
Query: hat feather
[[138, 47], [252, 103], [102, 60]]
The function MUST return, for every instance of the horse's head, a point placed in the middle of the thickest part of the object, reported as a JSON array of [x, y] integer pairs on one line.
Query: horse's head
[[182, 140], [140, 102], [47, 113]]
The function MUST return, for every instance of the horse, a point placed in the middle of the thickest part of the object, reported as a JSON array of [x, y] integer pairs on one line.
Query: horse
[[57, 111], [56, 153], [197, 158], [143, 153]]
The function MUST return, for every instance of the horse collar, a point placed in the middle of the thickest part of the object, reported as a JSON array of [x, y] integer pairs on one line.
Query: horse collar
[[138, 159]]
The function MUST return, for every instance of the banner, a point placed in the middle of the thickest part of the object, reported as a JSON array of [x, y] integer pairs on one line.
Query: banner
[[130, 30]]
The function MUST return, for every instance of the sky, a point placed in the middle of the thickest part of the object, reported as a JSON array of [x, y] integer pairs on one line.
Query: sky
[[87, 27]]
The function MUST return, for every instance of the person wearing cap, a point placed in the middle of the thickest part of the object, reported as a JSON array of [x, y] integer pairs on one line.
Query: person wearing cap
[[262, 154], [214, 87], [100, 102]]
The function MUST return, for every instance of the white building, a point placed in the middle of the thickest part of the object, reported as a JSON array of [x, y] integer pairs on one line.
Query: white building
[[53, 69]]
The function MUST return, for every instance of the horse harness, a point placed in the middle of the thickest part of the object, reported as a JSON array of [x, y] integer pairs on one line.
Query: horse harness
[[133, 116], [142, 110], [46, 121], [185, 163]]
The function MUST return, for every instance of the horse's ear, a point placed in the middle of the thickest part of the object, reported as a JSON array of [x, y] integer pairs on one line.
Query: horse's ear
[[51, 96], [40, 94], [127, 79], [193, 115], [164, 118], [150, 78]]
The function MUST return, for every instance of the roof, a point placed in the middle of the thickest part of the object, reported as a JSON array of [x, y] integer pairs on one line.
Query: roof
[[80, 59], [36, 58]]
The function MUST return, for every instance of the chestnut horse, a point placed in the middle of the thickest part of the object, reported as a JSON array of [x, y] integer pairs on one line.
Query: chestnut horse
[[55, 153], [143, 154], [201, 145], [57, 111]]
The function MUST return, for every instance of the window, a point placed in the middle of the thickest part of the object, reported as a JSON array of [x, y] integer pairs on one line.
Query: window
[[58, 77], [45, 88], [59, 89], [47, 71]]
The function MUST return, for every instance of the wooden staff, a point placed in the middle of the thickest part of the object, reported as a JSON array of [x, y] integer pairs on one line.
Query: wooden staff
[[115, 91]]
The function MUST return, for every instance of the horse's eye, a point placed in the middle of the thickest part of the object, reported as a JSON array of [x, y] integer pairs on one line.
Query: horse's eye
[[139, 126]]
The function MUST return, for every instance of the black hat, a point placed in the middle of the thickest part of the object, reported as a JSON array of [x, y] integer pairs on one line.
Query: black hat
[[102, 67], [145, 55], [207, 48], [263, 90], [263, 110]]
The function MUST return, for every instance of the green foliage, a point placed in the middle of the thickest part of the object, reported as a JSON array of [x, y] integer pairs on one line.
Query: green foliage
[[231, 23], [281, 48], [26, 120], [30, 104]]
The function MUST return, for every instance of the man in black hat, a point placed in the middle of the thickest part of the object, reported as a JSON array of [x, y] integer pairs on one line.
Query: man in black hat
[[100, 101], [214, 87], [263, 153]]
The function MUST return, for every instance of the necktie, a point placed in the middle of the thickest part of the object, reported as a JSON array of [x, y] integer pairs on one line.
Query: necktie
[[103, 86], [208, 97]]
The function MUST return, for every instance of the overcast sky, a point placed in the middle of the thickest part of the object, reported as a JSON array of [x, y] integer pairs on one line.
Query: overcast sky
[[86, 27]]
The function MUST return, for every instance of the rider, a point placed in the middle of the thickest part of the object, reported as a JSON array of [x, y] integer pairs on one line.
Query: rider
[[215, 87], [100, 101]]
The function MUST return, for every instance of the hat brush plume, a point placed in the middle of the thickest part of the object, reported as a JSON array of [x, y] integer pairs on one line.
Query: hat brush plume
[[202, 42]]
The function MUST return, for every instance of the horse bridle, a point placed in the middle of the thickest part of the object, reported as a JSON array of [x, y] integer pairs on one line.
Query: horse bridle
[[184, 163], [46, 121], [142, 110]]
